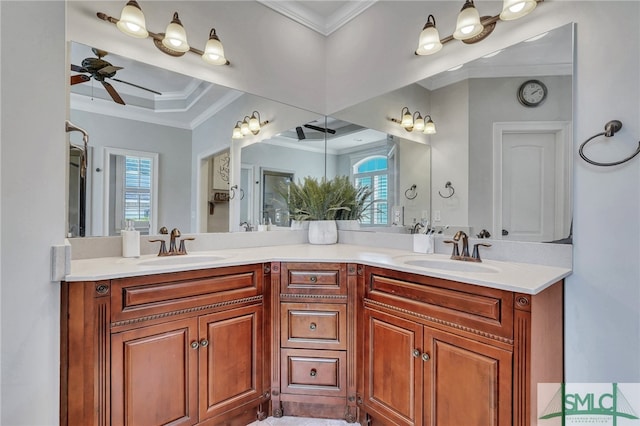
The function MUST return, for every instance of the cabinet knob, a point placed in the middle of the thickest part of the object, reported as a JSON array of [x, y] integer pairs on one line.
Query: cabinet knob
[[425, 357], [204, 343], [194, 345], [416, 353], [313, 278], [313, 372], [312, 326]]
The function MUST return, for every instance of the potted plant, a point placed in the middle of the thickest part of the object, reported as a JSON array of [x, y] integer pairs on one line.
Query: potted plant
[[321, 202], [357, 201]]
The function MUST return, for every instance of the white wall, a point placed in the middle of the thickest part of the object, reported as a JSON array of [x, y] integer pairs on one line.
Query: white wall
[[602, 320], [33, 207]]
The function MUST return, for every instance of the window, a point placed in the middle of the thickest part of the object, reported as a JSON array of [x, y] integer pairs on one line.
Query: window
[[131, 190], [372, 171]]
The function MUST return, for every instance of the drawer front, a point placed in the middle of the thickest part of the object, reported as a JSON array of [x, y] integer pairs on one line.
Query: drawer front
[[477, 309], [152, 295], [312, 372], [314, 325], [314, 278]]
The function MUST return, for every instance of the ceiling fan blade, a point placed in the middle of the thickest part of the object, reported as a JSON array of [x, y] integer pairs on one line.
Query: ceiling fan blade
[[78, 68], [300, 133], [80, 78], [320, 129], [135, 85], [109, 69], [114, 95]]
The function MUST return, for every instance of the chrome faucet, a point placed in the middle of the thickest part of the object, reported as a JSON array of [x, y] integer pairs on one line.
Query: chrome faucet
[[465, 242]]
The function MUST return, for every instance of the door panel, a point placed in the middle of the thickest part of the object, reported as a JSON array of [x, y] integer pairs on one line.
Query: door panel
[[230, 361], [154, 375], [470, 382], [393, 382]]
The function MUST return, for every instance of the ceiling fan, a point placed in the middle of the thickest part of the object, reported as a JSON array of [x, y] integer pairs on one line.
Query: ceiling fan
[[302, 135], [100, 70]]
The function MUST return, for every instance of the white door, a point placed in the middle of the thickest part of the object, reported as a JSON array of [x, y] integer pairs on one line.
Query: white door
[[529, 184]]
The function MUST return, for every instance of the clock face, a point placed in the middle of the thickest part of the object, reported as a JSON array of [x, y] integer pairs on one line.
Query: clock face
[[532, 93]]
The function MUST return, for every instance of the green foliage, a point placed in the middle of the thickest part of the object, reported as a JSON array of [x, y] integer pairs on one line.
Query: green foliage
[[335, 199]]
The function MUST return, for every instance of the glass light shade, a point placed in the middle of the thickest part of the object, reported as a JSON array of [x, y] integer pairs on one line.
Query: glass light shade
[[254, 124], [132, 21], [429, 42], [418, 124], [175, 37], [244, 128], [468, 24], [514, 9], [237, 133], [429, 127], [213, 51], [407, 120]]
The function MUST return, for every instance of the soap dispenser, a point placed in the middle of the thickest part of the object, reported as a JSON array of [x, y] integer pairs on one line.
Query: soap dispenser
[[130, 240]]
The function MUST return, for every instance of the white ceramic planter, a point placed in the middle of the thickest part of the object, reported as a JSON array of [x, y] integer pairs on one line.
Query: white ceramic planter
[[323, 232]]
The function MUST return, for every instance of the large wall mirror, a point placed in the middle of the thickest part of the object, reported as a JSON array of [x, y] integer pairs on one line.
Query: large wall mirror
[[508, 165], [497, 164]]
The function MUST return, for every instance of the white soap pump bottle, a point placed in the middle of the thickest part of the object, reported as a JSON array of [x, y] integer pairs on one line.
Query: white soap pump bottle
[[130, 241]]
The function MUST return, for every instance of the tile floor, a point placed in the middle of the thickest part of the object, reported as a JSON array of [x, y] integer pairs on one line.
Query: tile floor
[[300, 421]]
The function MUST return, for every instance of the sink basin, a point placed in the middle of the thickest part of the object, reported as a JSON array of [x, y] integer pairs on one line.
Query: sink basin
[[180, 260], [451, 265]]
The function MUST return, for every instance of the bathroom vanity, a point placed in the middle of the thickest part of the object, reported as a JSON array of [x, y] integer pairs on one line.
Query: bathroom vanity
[[334, 331]]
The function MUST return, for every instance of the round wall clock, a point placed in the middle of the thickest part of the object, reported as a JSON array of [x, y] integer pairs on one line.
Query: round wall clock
[[532, 93]]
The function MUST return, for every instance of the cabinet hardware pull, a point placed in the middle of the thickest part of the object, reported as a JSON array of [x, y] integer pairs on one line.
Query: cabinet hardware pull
[[204, 343], [416, 353], [312, 326], [313, 278], [313, 372], [194, 345], [425, 357]]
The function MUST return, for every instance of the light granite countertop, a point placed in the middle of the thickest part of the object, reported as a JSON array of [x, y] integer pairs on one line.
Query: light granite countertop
[[512, 276]]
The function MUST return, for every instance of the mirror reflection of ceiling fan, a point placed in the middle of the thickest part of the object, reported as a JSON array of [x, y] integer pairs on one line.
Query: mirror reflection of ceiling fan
[[99, 70]]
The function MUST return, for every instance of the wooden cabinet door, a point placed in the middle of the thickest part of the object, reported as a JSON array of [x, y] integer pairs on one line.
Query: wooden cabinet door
[[466, 382], [154, 375], [230, 359], [393, 368]]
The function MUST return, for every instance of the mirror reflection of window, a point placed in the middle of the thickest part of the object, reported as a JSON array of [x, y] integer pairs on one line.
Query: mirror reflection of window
[[372, 172], [132, 190]]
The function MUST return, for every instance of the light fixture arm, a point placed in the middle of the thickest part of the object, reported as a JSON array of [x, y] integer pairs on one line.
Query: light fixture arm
[[157, 37]]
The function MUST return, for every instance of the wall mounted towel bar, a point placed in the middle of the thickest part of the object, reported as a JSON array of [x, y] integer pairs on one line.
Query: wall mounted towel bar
[[610, 129], [450, 188]]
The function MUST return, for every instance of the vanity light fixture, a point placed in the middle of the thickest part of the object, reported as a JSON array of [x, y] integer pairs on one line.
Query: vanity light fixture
[[249, 125], [173, 41], [414, 121], [470, 26]]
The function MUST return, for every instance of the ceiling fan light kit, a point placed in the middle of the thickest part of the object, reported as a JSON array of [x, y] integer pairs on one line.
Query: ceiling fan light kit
[[470, 26], [173, 41]]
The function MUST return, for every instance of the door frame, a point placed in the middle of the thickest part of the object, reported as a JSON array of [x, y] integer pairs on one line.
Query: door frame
[[563, 172]]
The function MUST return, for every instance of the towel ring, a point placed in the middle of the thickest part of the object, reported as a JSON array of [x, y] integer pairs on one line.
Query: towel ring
[[450, 188], [610, 129], [411, 193], [232, 192]]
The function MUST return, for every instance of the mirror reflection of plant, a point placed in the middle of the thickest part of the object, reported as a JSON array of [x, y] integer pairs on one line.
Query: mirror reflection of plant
[[321, 199]]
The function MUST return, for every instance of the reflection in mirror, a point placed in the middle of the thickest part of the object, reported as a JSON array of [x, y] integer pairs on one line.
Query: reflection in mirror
[[328, 147], [186, 122], [509, 163]]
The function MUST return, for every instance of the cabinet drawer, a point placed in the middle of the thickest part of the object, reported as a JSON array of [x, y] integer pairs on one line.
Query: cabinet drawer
[[148, 296], [312, 372], [314, 278], [314, 325]]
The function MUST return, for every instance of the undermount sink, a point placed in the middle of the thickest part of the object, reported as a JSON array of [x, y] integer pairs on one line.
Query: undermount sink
[[180, 260], [451, 265]]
